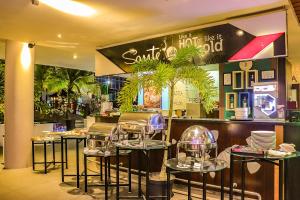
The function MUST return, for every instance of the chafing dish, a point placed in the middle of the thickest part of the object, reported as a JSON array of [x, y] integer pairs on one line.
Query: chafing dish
[[140, 125], [195, 146], [101, 134]]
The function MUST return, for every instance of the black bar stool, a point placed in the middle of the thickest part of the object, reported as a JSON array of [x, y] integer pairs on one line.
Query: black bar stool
[[107, 179], [78, 139], [45, 141]]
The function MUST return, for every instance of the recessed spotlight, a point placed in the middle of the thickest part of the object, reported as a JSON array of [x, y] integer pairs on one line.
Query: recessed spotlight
[[75, 56], [59, 36], [35, 2], [240, 33], [70, 7]]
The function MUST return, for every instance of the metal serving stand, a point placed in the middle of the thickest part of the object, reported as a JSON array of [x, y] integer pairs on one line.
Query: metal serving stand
[[196, 152], [78, 138], [213, 165], [136, 131], [100, 145], [244, 158]]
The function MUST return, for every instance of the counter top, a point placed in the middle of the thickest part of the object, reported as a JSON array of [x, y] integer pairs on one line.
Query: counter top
[[208, 120], [292, 124]]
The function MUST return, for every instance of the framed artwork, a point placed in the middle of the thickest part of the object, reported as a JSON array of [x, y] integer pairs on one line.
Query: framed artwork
[[251, 78], [237, 80], [244, 99], [231, 101], [268, 75], [227, 79], [151, 98]]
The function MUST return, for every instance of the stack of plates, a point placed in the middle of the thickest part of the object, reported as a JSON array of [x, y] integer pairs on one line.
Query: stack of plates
[[241, 113], [264, 140]]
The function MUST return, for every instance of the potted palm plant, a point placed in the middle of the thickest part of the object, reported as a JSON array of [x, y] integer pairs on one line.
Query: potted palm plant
[[166, 72]]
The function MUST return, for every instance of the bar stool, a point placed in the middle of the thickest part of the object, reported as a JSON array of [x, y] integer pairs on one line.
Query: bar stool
[[100, 153], [78, 138], [45, 141]]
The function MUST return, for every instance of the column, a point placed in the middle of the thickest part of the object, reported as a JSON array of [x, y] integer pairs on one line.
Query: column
[[19, 102]]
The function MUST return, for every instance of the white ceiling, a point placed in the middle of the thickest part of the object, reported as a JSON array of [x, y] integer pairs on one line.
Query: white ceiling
[[116, 21]]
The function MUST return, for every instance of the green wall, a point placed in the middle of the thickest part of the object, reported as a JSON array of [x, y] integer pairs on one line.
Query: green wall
[[260, 65]]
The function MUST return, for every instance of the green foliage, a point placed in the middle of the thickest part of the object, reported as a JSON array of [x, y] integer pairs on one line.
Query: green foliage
[[158, 74], [128, 93], [74, 82]]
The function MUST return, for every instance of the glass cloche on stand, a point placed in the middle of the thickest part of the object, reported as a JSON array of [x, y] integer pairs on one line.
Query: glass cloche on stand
[[195, 146]]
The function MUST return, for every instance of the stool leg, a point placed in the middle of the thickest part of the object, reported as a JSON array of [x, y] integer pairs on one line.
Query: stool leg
[[129, 172], [53, 152], [109, 180], [33, 162], [147, 175], [101, 169], [168, 184], [189, 187], [243, 179], [222, 185], [66, 152], [117, 171], [231, 177], [85, 173], [281, 180], [139, 174], [77, 163], [45, 158], [62, 160], [204, 186], [105, 177]]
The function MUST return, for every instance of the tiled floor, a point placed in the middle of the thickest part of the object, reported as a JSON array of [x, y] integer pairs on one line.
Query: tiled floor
[[23, 184]]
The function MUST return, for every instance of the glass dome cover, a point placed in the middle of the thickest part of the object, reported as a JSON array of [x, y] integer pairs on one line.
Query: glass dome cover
[[197, 138]]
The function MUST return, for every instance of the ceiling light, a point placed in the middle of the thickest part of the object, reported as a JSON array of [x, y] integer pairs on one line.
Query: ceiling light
[[59, 36], [75, 56], [25, 56], [240, 33], [70, 7]]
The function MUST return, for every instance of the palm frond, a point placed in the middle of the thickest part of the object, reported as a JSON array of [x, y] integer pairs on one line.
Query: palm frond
[[128, 93], [145, 65], [184, 56]]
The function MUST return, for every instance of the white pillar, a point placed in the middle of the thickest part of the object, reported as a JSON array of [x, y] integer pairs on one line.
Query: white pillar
[[19, 101]]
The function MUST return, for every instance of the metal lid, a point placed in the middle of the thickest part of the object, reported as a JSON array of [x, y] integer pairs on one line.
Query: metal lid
[[197, 135]]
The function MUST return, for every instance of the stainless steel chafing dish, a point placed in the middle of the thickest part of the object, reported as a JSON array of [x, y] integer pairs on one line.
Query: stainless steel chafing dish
[[133, 125], [197, 142], [101, 134]]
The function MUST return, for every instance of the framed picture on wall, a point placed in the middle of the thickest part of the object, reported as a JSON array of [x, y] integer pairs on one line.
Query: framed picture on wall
[[251, 78], [231, 101], [244, 99], [268, 75], [151, 98], [227, 79], [237, 80]]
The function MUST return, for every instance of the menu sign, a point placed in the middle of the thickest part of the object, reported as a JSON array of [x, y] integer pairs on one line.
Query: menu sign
[[221, 43]]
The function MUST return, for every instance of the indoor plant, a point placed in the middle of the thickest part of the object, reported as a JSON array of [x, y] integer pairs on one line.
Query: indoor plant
[[166, 72]]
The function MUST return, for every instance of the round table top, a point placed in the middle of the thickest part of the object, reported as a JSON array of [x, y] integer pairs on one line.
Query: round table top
[[264, 156], [73, 136], [100, 152], [144, 145], [212, 165], [45, 139]]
